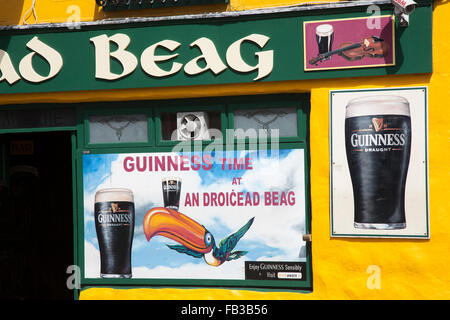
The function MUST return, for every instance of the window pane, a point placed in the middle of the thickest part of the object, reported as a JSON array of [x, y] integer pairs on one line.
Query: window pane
[[37, 118], [194, 125], [118, 128], [283, 119]]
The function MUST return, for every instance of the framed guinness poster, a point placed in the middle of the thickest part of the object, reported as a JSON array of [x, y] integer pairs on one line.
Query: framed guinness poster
[[349, 43], [379, 163], [168, 218]]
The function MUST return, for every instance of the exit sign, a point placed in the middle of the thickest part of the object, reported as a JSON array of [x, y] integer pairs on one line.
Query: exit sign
[[21, 147]]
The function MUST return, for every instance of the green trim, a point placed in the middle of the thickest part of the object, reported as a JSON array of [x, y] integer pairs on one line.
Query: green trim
[[154, 109], [125, 287], [34, 130], [225, 105], [360, 235], [74, 206], [274, 285], [80, 213]]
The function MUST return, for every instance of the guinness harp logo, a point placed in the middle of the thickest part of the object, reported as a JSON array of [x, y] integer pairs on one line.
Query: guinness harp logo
[[377, 124], [114, 207]]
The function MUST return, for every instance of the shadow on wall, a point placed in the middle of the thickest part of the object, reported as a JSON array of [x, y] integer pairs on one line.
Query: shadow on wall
[[439, 2], [10, 14], [11, 11]]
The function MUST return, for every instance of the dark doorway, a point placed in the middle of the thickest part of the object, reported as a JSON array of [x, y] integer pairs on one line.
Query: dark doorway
[[36, 215]]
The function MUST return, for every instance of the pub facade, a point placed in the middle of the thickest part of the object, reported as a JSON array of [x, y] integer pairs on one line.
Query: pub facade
[[223, 150]]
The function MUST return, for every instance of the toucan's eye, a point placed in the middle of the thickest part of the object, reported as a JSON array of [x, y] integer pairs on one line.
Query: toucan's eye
[[208, 238]]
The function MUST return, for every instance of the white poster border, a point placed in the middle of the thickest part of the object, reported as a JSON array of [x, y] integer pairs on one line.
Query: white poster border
[[372, 233]]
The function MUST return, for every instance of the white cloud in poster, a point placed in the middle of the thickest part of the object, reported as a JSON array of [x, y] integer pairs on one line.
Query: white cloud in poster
[[230, 270], [91, 255]]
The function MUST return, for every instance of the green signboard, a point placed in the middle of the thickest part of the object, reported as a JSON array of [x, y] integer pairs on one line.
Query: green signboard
[[261, 48]]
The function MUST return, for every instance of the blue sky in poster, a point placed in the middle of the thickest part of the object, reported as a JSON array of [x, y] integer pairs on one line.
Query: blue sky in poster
[[275, 234]]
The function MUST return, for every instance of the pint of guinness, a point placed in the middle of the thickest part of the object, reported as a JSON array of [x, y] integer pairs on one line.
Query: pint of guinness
[[378, 145], [324, 38], [114, 223], [171, 188]]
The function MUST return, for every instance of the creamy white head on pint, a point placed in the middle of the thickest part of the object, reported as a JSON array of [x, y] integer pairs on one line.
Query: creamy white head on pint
[[114, 194], [377, 105], [171, 178], [324, 30]]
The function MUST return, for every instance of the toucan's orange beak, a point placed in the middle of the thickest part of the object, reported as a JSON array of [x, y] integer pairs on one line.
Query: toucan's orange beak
[[176, 226]]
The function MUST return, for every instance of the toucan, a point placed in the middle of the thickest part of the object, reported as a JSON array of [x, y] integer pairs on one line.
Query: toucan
[[193, 238]]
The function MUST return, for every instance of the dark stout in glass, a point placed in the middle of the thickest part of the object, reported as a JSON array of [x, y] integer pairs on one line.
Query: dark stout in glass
[[324, 38], [171, 188], [378, 145], [114, 223]]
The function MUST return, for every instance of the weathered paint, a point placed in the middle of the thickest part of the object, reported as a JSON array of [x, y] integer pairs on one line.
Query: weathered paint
[[409, 269]]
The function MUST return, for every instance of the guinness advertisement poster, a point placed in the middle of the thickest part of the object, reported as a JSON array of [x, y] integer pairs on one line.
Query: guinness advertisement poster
[[379, 169], [237, 215], [349, 43]]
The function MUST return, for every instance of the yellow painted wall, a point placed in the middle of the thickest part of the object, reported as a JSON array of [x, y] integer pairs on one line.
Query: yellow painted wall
[[52, 11], [410, 269]]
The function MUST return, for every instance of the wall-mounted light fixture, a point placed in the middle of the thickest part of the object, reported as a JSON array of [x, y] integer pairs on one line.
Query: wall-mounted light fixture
[[403, 9]]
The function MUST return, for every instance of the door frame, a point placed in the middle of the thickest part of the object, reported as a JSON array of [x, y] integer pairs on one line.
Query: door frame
[[73, 142]]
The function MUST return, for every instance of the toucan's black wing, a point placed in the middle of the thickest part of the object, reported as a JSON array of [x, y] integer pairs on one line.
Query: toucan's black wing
[[228, 244], [236, 255], [183, 249]]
